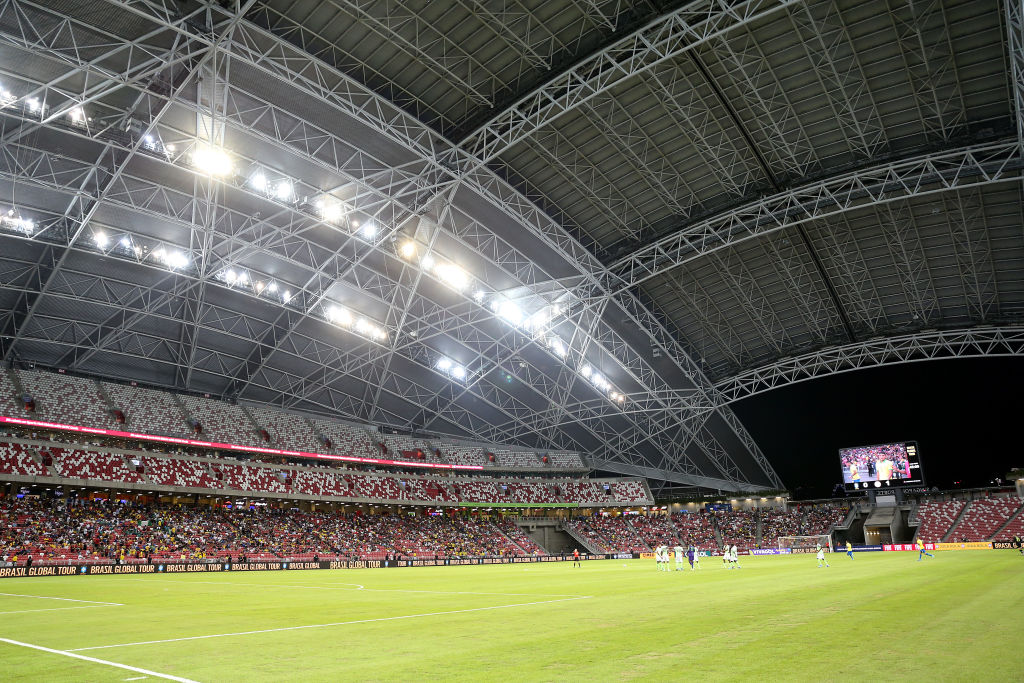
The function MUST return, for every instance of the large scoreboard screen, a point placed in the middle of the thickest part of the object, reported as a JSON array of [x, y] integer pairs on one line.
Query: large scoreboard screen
[[881, 466]]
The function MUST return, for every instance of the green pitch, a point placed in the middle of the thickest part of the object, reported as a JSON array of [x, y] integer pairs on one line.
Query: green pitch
[[959, 616]]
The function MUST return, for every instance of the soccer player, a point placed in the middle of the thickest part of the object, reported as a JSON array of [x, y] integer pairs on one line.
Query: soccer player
[[726, 556], [659, 557], [736, 557], [678, 550], [821, 557], [696, 557], [576, 558], [849, 549], [921, 552]]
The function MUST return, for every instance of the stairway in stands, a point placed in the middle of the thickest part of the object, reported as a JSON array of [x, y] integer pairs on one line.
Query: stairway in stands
[[956, 522]]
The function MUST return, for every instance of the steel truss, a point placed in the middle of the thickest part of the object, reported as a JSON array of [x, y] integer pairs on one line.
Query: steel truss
[[267, 53], [911, 348], [897, 180]]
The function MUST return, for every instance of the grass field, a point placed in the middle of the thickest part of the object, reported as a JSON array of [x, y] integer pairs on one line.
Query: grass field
[[881, 616]]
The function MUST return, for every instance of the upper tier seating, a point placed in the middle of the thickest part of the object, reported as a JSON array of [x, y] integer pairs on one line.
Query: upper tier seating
[[505, 458], [148, 410], [179, 472], [629, 492], [983, 518], [463, 455], [776, 522], [572, 460], [9, 402], [407, 448], [287, 431], [695, 529], [223, 422], [354, 442], [66, 399], [937, 518], [819, 519], [80, 464], [16, 459]]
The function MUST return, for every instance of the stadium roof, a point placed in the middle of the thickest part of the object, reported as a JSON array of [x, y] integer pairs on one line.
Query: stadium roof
[[583, 225]]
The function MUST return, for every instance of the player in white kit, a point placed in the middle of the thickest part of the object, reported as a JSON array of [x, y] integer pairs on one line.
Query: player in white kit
[[679, 557], [821, 557]]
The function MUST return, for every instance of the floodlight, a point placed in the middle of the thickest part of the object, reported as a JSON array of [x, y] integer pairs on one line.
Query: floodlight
[[330, 210], [76, 115], [586, 371], [259, 182], [452, 275], [211, 161], [126, 241], [444, 364], [101, 240], [283, 191], [33, 104], [369, 229], [272, 287], [408, 250], [459, 372], [478, 295]]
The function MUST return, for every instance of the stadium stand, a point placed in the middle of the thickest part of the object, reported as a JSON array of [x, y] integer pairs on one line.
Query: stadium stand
[[67, 399], [251, 478], [776, 522], [407, 448], [984, 517], [178, 472], [222, 422], [80, 464], [738, 527], [148, 410], [354, 442], [566, 460], [8, 399], [463, 455], [696, 529], [519, 537], [819, 519], [506, 458], [16, 459], [937, 517], [286, 430], [1015, 527], [655, 530], [610, 534]]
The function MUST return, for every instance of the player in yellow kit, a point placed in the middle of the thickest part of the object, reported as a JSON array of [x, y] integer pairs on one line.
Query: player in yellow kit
[[849, 549], [921, 552]]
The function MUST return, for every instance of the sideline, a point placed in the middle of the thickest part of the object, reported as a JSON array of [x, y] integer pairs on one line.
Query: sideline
[[336, 623], [66, 653], [50, 597]]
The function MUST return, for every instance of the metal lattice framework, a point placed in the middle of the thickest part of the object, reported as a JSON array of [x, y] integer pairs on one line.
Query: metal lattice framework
[[746, 231]]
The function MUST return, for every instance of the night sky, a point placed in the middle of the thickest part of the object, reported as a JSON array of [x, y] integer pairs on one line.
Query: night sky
[[966, 415]]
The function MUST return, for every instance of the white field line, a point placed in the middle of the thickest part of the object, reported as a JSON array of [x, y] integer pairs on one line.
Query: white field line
[[48, 597], [360, 587], [336, 623], [55, 609], [65, 653]]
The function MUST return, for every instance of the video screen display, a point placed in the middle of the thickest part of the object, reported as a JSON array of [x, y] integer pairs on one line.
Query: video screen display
[[881, 466]]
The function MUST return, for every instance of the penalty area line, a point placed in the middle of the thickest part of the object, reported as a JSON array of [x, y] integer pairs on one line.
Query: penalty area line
[[56, 609], [50, 597], [126, 667], [335, 623]]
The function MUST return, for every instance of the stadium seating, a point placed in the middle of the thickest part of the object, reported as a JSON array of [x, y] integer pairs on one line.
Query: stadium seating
[[984, 517], [655, 530], [776, 522], [1013, 529], [519, 537], [463, 455], [937, 518], [80, 464], [67, 399], [287, 430], [610, 534], [819, 519], [565, 460], [9, 402], [407, 448], [16, 459], [738, 527], [696, 529], [178, 472], [251, 478], [148, 410], [353, 442], [506, 458], [222, 422]]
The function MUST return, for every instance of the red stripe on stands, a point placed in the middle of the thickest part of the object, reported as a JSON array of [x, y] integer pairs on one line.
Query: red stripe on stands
[[233, 447]]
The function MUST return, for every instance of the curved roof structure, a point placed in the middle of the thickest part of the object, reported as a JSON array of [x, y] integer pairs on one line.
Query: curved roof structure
[[586, 225]]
